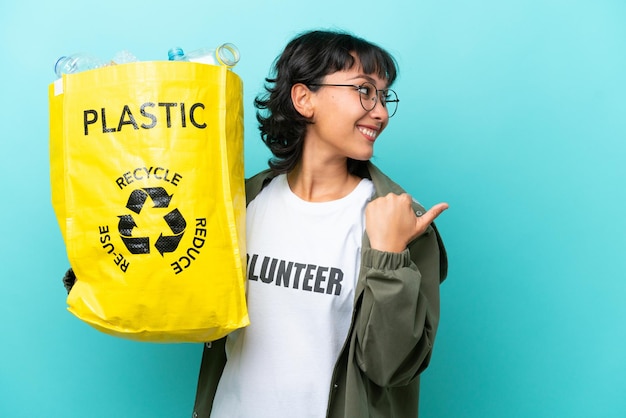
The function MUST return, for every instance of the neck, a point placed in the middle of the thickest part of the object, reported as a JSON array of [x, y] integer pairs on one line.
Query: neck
[[322, 183]]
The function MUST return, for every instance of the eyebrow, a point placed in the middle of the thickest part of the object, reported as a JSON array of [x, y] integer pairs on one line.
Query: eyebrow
[[365, 76], [370, 80]]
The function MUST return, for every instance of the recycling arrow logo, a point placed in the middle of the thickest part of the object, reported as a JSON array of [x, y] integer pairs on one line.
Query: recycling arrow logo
[[174, 219]]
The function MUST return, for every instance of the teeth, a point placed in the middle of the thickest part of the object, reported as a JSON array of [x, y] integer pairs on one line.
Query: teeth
[[368, 132]]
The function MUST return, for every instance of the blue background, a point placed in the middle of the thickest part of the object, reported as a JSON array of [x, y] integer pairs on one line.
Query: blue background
[[512, 111]]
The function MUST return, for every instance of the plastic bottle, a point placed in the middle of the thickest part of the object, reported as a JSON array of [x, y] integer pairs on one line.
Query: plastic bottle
[[226, 54], [76, 63]]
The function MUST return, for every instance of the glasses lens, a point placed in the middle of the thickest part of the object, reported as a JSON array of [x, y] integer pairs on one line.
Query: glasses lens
[[388, 98], [391, 102], [367, 94]]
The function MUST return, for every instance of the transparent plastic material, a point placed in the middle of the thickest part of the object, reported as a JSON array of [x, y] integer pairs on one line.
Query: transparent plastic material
[[226, 54], [76, 63], [123, 57]]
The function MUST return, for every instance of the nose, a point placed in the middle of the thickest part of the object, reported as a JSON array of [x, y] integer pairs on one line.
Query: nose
[[379, 111]]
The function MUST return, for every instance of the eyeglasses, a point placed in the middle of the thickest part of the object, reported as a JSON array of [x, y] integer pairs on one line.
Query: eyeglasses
[[369, 95]]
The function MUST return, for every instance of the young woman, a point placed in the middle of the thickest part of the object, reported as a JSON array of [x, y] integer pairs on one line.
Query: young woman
[[343, 266]]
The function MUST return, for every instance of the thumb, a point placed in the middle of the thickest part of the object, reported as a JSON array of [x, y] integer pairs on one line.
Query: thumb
[[427, 218]]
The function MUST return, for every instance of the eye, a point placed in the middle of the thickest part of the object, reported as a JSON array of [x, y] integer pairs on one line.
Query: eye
[[365, 90], [385, 97]]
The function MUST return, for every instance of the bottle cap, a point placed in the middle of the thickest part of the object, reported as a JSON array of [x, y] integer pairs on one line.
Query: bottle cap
[[228, 54], [57, 65], [175, 54]]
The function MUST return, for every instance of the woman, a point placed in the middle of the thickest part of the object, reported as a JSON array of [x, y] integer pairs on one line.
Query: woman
[[343, 277]]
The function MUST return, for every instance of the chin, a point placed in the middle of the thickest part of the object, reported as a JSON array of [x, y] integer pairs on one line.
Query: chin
[[363, 156]]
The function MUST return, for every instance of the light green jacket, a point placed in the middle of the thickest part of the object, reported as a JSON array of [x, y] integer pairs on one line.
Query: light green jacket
[[394, 321]]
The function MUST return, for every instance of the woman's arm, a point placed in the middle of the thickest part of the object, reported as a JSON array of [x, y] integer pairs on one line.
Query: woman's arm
[[398, 311]]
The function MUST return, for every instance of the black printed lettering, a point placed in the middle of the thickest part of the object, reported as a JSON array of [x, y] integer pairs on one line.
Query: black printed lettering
[[283, 273], [150, 116], [251, 267], [290, 274], [334, 281], [308, 276], [267, 276], [192, 116], [89, 118], [105, 129], [296, 277], [167, 107], [185, 261], [114, 120], [146, 173], [319, 279], [126, 113]]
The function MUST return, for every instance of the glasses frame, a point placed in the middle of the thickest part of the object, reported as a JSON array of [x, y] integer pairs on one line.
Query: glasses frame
[[376, 98]]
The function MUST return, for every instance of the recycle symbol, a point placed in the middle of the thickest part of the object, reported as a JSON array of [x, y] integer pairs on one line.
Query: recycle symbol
[[174, 219]]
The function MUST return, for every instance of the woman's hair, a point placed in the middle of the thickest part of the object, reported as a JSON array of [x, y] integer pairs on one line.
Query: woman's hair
[[307, 59]]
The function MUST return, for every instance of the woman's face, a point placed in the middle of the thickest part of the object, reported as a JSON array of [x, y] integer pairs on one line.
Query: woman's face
[[341, 127]]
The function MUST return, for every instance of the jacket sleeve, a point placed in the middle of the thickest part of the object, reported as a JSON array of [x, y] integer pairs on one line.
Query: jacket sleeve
[[398, 311]]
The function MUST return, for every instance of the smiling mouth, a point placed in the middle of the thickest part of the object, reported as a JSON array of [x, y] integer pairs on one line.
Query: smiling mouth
[[368, 132]]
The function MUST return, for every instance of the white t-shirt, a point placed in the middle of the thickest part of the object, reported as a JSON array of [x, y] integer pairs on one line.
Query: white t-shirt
[[303, 260]]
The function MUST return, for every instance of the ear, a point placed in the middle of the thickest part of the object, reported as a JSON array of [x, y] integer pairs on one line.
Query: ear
[[301, 98]]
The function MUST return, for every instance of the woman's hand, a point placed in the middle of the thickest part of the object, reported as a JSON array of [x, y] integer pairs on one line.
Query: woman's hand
[[391, 223]]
